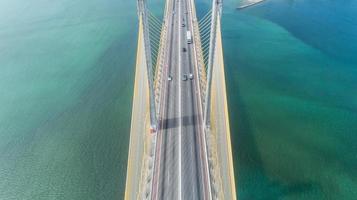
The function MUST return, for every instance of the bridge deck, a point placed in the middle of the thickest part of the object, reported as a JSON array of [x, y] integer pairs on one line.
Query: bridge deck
[[180, 160]]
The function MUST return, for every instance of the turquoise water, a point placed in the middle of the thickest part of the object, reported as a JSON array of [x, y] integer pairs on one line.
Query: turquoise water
[[291, 69], [66, 81], [66, 74]]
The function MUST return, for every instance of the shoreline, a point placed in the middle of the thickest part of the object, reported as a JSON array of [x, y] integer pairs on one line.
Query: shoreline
[[250, 4]]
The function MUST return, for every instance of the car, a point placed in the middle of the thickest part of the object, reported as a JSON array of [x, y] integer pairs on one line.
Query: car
[[184, 77], [183, 25], [153, 129], [169, 78], [184, 49], [191, 76]]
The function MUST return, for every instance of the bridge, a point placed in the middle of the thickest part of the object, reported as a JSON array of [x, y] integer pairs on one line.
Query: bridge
[[180, 145]]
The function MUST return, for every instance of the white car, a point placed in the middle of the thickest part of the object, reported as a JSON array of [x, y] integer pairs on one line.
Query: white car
[[191, 76], [169, 78]]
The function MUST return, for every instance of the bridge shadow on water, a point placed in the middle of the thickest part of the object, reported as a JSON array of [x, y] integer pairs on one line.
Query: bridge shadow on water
[[169, 123]]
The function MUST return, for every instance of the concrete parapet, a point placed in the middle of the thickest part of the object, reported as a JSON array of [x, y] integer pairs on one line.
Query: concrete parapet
[[219, 137], [139, 133]]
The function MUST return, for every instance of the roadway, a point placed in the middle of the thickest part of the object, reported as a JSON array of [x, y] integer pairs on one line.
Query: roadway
[[181, 170]]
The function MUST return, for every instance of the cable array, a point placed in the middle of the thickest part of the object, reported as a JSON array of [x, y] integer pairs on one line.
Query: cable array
[[204, 25], [155, 27]]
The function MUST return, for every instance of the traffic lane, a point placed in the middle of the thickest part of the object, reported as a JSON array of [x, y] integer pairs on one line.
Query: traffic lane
[[197, 129], [192, 139], [167, 170], [170, 166], [191, 174], [173, 132], [196, 110], [198, 126], [168, 188], [192, 186]]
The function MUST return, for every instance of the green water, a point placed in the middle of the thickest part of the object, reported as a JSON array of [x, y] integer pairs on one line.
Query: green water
[[66, 74], [66, 81], [292, 84]]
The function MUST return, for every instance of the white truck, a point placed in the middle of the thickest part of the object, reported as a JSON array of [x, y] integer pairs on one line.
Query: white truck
[[189, 37]]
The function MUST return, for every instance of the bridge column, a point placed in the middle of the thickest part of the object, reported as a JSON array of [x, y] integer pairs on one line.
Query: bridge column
[[143, 14], [216, 15]]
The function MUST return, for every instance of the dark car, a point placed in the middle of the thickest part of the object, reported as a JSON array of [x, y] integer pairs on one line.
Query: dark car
[[184, 77]]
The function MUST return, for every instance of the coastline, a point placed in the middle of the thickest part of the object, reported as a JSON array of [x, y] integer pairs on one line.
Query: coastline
[[250, 3]]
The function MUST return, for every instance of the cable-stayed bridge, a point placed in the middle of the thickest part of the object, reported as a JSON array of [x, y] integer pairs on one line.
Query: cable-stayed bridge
[[180, 145]]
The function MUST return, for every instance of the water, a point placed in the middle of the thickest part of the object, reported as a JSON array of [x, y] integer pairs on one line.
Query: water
[[66, 81], [66, 74], [291, 69]]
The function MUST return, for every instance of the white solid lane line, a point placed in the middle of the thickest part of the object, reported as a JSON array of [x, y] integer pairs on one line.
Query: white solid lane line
[[180, 112]]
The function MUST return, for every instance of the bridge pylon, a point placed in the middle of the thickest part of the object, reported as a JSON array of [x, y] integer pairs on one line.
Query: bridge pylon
[[143, 18], [216, 117], [215, 16]]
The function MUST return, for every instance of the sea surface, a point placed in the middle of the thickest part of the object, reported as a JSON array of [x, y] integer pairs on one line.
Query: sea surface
[[291, 69], [66, 83]]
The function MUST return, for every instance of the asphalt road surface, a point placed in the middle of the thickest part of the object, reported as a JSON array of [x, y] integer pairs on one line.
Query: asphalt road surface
[[180, 165]]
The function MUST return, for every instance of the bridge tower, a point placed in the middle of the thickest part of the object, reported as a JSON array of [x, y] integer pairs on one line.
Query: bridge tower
[[215, 17], [215, 108], [144, 19]]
